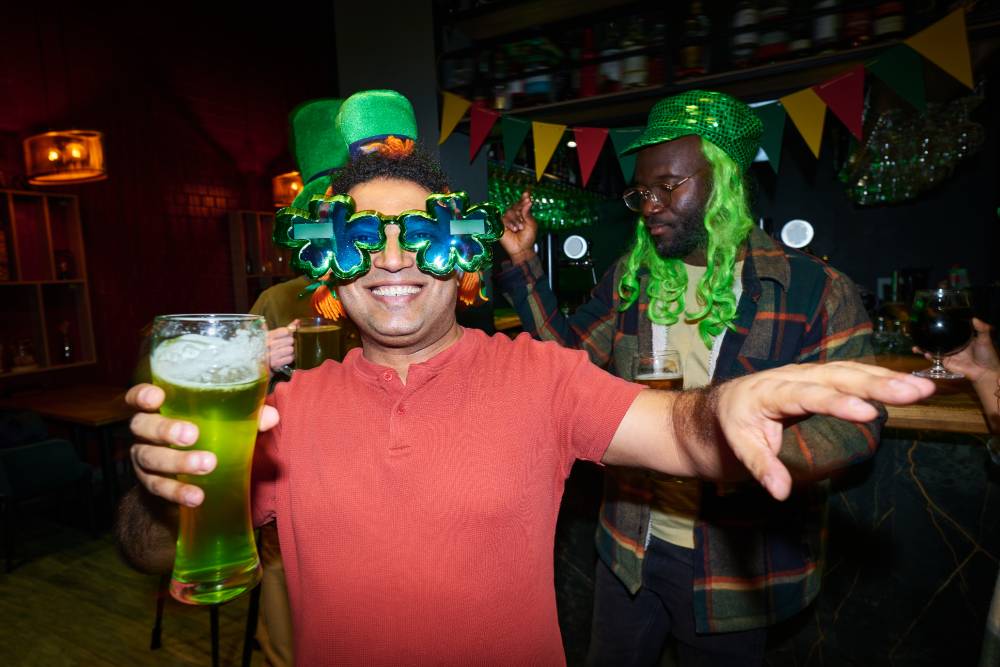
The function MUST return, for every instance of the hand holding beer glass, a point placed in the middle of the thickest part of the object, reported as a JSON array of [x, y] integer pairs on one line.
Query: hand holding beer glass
[[660, 370], [213, 372]]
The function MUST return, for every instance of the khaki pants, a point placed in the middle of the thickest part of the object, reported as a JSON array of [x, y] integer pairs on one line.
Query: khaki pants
[[274, 626]]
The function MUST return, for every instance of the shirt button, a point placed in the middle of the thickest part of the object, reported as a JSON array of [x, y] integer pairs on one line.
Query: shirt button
[[400, 411], [387, 376]]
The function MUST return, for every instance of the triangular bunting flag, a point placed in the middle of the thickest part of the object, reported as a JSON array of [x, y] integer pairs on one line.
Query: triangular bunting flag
[[773, 117], [807, 112], [946, 44], [620, 139], [902, 69], [514, 131], [481, 121], [454, 107], [589, 142], [547, 137], [845, 95]]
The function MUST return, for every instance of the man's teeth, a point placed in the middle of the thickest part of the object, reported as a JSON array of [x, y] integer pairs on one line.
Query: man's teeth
[[395, 290]]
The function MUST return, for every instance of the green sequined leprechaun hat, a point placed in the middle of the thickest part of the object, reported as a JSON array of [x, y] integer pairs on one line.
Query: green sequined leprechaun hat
[[318, 148], [722, 119], [380, 120]]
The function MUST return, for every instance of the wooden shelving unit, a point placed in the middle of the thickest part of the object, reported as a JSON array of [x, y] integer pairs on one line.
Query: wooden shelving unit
[[45, 314], [257, 263]]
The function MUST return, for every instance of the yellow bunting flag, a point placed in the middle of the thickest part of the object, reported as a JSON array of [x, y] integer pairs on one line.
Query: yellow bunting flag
[[946, 45], [807, 112], [547, 137], [454, 108]]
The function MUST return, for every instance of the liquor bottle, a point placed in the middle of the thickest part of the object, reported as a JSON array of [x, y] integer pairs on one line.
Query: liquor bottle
[[801, 33], [826, 26], [610, 70], [890, 21], [501, 94], [636, 66], [657, 61], [694, 52], [588, 70], [745, 39], [858, 27], [774, 36]]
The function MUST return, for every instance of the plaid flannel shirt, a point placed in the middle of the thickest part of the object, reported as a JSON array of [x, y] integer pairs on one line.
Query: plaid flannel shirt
[[757, 561]]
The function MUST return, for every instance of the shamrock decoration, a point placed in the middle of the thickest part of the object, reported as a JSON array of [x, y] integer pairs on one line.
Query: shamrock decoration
[[330, 236], [448, 235]]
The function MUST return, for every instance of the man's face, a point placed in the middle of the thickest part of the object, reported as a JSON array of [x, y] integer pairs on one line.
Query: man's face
[[677, 226], [395, 304]]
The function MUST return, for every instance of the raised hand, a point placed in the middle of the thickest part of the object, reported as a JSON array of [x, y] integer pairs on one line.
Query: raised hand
[[522, 230], [281, 346], [153, 459]]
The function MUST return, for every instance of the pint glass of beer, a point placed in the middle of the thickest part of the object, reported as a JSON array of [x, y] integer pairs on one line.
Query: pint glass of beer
[[661, 370], [213, 370], [316, 340]]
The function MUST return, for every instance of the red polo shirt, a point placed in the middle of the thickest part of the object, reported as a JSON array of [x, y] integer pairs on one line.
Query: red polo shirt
[[417, 521]]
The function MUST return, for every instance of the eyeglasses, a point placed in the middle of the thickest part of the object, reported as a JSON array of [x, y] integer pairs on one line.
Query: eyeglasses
[[658, 194]]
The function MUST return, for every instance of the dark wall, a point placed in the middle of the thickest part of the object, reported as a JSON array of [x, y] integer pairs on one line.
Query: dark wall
[[193, 104]]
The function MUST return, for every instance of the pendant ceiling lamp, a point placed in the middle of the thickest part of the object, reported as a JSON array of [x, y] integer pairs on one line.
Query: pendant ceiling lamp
[[285, 188], [64, 158]]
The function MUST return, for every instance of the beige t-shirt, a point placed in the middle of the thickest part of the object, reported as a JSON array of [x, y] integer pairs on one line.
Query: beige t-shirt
[[676, 499]]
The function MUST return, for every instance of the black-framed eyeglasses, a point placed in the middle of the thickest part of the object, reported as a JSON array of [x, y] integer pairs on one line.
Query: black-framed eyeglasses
[[658, 194]]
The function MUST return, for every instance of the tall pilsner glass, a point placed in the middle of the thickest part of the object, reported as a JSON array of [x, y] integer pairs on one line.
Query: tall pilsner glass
[[213, 369]]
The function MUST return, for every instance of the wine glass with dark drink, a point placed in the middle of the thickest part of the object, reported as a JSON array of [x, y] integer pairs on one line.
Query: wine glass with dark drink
[[940, 323]]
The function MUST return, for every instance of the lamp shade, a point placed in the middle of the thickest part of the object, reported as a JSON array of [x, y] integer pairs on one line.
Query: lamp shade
[[285, 188], [62, 158]]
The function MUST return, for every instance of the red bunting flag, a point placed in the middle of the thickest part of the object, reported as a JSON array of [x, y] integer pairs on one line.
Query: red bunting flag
[[481, 121], [589, 142], [844, 95]]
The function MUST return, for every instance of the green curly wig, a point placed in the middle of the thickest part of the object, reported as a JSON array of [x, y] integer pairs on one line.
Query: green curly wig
[[727, 221]]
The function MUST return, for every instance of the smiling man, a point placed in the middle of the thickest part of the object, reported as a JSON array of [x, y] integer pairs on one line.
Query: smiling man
[[416, 485], [709, 565]]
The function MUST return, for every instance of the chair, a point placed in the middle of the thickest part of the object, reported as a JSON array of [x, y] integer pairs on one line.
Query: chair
[[34, 466]]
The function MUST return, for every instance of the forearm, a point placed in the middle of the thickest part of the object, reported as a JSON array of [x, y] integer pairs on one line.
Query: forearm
[[146, 531], [698, 437]]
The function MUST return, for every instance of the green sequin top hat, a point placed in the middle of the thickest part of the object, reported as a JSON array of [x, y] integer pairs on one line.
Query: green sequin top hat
[[722, 119], [318, 148], [371, 116]]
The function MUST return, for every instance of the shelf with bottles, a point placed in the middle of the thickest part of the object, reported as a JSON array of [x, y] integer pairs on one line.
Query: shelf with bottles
[[45, 321], [632, 50], [257, 263]]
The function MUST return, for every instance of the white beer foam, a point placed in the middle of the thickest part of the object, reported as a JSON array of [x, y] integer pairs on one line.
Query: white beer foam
[[204, 361]]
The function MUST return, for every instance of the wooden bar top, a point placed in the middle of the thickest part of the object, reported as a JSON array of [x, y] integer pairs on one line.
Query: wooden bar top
[[954, 407], [89, 405]]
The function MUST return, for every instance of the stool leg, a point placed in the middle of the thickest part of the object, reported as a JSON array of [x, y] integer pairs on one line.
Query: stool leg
[[161, 599], [9, 530], [214, 616], [248, 637]]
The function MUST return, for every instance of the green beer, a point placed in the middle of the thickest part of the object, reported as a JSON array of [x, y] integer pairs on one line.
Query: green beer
[[216, 379]]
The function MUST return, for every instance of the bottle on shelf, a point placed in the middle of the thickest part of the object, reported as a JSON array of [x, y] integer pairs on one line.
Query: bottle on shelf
[[890, 21], [801, 44], [693, 57], [635, 73], [588, 70], [657, 61], [746, 37], [857, 27], [774, 36], [826, 25], [501, 93], [610, 70]]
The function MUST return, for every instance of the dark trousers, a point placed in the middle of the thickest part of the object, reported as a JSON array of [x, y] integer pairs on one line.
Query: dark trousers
[[632, 630]]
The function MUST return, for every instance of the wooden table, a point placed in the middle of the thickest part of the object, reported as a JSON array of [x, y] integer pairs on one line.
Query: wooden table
[[954, 407], [95, 407]]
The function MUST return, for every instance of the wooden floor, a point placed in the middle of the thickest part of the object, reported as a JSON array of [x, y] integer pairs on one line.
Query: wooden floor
[[72, 601]]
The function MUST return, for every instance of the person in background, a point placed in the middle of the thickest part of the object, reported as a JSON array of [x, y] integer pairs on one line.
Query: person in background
[[712, 565], [980, 363], [416, 484]]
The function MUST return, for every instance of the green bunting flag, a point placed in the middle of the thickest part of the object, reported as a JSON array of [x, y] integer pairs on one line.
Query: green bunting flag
[[902, 69], [773, 117], [514, 131], [621, 138]]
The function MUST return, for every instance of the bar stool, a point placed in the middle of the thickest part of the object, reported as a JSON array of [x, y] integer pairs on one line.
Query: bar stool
[[163, 592]]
